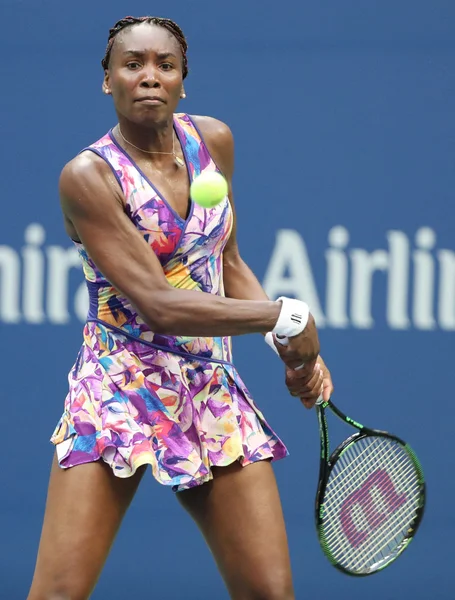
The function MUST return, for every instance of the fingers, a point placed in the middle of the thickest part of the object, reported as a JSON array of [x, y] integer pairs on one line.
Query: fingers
[[307, 377], [327, 384], [327, 388], [305, 385], [310, 382]]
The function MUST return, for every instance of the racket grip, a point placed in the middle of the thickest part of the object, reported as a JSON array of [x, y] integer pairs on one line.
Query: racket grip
[[284, 341]]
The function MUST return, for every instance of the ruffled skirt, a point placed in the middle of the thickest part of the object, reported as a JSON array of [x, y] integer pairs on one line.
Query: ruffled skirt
[[132, 404]]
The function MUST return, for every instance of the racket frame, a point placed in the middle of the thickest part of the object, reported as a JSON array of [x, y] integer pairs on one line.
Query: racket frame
[[327, 463]]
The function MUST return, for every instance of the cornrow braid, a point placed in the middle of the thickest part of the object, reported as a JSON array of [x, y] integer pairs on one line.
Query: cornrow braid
[[172, 27]]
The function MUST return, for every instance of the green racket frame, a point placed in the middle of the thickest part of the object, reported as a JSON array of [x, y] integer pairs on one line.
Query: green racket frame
[[326, 465]]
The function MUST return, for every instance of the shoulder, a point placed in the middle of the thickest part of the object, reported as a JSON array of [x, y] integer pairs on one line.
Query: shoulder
[[218, 139], [86, 179], [85, 170], [212, 127], [83, 167]]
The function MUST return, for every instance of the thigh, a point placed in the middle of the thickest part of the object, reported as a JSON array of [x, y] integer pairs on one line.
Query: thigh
[[240, 516], [84, 509]]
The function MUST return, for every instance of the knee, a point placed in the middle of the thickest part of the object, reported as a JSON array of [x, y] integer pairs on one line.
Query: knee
[[272, 589], [53, 596], [57, 594], [275, 593]]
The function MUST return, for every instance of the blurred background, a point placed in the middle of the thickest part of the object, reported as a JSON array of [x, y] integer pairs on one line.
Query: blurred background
[[343, 116]]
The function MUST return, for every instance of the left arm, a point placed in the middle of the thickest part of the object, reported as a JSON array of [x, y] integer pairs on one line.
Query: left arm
[[239, 280]]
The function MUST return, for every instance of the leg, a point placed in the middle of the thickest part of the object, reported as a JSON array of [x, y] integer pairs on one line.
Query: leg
[[84, 509], [240, 516]]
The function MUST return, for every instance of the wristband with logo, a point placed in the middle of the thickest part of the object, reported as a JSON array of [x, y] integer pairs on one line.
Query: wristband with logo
[[293, 317]]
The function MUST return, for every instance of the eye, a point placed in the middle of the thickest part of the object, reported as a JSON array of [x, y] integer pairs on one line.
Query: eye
[[167, 66], [133, 65]]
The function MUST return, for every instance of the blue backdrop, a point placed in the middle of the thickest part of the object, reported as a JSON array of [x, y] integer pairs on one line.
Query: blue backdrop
[[343, 117]]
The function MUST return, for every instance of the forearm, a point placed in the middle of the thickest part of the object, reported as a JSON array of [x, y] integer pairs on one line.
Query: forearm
[[190, 313]]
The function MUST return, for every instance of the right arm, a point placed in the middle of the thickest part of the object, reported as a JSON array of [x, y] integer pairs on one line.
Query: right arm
[[93, 205], [130, 265]]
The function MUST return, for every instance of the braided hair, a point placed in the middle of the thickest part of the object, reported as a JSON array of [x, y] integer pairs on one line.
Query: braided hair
[[172, 27]]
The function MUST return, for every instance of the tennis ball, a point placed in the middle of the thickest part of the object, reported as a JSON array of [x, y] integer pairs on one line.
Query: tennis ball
[[208, 189]]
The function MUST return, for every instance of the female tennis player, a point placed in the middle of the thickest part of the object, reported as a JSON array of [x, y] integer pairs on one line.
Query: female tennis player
[[154, 383]]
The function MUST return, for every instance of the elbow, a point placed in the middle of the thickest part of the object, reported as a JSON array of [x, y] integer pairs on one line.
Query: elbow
[[233, 262], [160, 314], [162, 324]]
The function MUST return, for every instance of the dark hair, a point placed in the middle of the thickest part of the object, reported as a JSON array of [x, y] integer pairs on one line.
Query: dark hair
[[172, 27]]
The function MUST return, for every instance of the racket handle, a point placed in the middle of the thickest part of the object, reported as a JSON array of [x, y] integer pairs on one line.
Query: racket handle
[[284, 341]]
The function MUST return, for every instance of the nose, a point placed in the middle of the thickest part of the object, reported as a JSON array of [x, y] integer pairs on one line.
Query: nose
[[150, 78]]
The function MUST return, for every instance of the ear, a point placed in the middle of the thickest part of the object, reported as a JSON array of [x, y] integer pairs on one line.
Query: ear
[[106, 87]]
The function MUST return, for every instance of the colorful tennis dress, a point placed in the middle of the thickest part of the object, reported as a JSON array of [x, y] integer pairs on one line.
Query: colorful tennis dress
[[136, 397]]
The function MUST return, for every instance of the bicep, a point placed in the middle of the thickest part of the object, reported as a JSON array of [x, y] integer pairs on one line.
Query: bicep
[[110, 238]]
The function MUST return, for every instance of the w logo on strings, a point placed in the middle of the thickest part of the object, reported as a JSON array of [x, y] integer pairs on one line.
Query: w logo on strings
[[363, 499]]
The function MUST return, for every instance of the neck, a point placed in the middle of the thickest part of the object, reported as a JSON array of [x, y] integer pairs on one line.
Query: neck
[[158, 138]]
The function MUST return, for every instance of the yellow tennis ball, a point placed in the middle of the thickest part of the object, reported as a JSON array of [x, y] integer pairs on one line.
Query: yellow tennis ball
[[208, 189]]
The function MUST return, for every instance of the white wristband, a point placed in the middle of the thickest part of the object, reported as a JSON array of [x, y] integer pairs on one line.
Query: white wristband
[[293, 317]]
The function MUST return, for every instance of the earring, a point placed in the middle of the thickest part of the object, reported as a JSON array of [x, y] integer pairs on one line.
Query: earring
[[182, 94], [107, 92]]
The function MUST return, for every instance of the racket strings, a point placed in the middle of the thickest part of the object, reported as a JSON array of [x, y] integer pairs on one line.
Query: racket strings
[[347, 455], [372, 496], [376, 550], [372, 553], [350, 460], [362, 524], [336, 495], [380, 458], [330, 510]]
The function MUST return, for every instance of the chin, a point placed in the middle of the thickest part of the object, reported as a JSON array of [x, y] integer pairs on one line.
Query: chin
[[154, 116]]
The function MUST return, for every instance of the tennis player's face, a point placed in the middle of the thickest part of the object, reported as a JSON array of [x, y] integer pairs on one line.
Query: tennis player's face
[[145, 74]]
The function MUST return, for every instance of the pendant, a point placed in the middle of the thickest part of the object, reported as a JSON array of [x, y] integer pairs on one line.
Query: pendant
[[178, 161]]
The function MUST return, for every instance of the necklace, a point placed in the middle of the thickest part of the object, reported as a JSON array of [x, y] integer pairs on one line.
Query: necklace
[[179, 162]]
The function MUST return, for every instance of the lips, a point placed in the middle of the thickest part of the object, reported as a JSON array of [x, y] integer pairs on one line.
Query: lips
[[151, 100]]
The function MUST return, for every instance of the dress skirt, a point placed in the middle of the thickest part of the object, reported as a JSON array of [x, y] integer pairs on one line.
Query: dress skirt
[[131, 404]]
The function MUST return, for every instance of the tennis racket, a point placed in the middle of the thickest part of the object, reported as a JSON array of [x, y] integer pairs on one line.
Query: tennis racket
[[370, 497]]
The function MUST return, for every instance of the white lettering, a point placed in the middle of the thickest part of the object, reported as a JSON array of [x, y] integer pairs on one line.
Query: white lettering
[[397, 291], [81, 302], [446, 305], [336, 294], [289, 272], [60, 262], [424, 280], [9, 285], [36, 283], [364, 265], [33, 282]]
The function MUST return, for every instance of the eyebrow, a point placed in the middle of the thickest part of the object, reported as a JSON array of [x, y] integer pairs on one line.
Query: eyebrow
[[160, 55]]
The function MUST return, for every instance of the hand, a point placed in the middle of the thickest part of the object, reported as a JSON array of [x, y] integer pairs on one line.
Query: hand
[[302, 348], [309, 386], [327, 384]]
